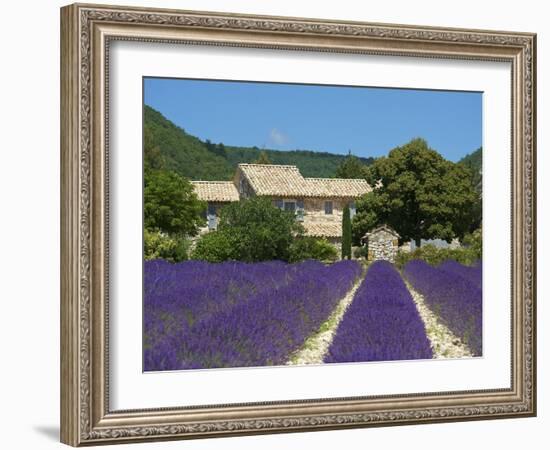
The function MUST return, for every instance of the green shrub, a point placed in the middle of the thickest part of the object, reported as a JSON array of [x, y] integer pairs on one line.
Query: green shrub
[[435, 256], [157, 244], [473, 241], [308, 247], [216, 246], [361, 252]]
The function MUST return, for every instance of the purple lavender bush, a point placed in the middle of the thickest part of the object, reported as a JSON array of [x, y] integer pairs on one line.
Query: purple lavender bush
[[455, 299], [471, 273], [201, 315], [382, 323]]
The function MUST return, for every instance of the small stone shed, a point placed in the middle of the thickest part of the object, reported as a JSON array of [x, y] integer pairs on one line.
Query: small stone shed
[[382, 243]]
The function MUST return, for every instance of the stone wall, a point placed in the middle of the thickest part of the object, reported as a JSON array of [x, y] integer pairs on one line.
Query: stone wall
[[382, 245], [314, 210]]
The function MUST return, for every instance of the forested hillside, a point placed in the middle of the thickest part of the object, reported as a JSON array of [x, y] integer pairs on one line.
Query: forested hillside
[[203, 160], [181, 152]]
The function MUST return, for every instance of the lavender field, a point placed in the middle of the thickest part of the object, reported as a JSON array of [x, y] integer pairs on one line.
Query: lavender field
[[200, 315], [382, 323], [453, 292]]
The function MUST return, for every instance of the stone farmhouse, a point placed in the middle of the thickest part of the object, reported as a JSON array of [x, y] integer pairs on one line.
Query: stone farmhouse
[[317, 203]]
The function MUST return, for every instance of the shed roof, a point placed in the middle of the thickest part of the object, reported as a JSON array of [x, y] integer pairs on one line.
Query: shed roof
[[385, 228], [216, 191]]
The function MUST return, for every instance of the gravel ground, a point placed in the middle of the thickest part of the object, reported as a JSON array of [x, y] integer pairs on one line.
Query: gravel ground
[[317, 345], [444, 343]]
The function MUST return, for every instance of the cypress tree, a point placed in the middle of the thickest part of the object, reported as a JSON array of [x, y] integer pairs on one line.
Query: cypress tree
[[346, 233]]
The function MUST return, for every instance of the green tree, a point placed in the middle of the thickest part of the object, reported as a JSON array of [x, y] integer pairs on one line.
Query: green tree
[[265, 232], [419, 194], [250, 230], [170, 204], [263, 158], [346, 233], [351, 167]]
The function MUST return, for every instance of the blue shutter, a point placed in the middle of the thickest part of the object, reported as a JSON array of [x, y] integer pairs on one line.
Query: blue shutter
[[279, 203], [211, 216], [352, 210]]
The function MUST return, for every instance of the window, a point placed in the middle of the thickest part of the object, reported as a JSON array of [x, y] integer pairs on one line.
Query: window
[[211, 217], [290, 206], [352, 210], [296, 207], [328, 207]]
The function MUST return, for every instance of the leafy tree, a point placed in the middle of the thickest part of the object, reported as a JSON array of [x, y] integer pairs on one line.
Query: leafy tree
[[346, 233], [263, 158], [170, 204], [351, 167], [419, 194], [309, 247], [264, 231], [250, 230]]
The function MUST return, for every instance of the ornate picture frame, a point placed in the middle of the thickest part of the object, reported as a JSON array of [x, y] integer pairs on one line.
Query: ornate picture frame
[[87, 31]]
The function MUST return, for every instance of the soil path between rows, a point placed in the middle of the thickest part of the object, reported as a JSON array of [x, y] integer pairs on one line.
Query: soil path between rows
[[316, 346], [444, 343]]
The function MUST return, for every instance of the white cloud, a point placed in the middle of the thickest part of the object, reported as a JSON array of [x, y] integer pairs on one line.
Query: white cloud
[[277, 137]]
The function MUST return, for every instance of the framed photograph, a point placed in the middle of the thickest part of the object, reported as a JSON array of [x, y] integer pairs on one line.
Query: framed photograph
[[276, 224]]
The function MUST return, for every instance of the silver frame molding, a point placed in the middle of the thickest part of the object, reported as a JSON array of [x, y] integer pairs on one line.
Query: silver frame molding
[[86, 32]]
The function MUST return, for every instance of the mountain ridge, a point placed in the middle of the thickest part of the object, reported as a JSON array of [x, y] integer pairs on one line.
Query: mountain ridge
[[196, 159]]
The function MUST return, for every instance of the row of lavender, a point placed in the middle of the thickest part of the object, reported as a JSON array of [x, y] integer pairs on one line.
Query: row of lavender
[[382, 323], [200, 315], [453, 292], [471, 273]]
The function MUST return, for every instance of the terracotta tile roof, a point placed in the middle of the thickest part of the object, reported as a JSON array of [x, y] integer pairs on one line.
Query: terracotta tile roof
[[287, 181], [337, 187], [319, 229], [274, 179], [216, 191]]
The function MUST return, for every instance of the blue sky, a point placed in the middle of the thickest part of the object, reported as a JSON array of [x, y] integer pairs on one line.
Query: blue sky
[[336, 119]]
